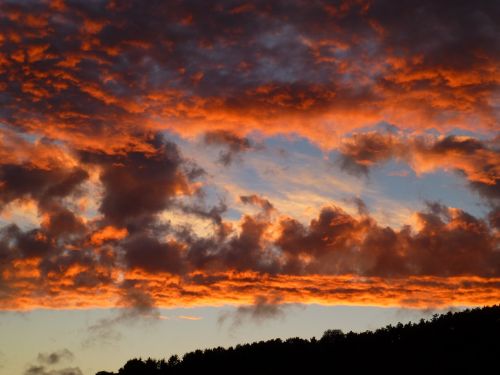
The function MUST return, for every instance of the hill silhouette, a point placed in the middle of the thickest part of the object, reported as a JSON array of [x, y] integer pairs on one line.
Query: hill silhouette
[[460, 342]]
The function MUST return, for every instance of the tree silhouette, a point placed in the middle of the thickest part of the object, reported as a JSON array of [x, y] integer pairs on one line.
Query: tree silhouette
[[463, 342]]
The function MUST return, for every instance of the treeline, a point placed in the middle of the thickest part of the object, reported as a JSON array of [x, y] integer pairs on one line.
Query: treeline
[[462, 342]]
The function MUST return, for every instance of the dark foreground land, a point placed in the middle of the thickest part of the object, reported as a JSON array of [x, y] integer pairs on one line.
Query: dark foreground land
[[464, 342]]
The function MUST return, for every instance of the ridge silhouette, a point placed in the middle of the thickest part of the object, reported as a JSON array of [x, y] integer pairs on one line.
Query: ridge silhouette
[[460, 342]]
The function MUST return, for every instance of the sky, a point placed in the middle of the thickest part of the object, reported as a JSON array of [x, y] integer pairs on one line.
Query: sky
[[187, 174]]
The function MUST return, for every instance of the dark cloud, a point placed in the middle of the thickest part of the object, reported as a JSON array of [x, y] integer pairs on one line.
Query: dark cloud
[[233, 144], [137, 306], [447, 242], [136, 301], [262, 309], [243, 251], [435, 19], [88, 87], [90, 268], [361, 206], [55, 357], [47, 187], [94, 71], [49, 360], [452, 143], [256, 200], [361, 151], [61, 221], [81, 267], [139, 185], [450, 242], [42, 185], [213, 213], [476, 160], [494, 218], [247, 250], [29, 244], [490, 191], [151, 255], [85, 253]]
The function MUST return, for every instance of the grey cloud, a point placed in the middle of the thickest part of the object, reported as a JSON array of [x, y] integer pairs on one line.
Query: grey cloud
[[55, 357]]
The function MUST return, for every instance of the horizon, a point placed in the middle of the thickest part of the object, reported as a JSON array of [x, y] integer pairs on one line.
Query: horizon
[[82, 342], [187, 174]]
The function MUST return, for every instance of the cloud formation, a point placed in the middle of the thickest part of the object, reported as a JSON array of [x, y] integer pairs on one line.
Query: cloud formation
[[475, 159], [320, 68], [232, 144], [261, 310], [47, 361], [446, 244], [93, 94], [55, 357]]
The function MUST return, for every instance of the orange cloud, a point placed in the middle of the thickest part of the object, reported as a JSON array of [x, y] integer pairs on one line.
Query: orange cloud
[[337, 259], [89, 91], [50, 90], [238, 288], [108, 233], [477, 160]]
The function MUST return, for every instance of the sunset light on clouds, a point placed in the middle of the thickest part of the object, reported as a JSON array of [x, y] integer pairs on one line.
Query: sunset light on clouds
[[192, 155]]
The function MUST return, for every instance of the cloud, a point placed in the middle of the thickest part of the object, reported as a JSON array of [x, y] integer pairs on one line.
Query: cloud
[[55, 357], [477, 160], [262, 309], [448, 242], [88, 92], [444, 242], [361, 151], [264, 69], [135, 303], [23, 181], [149, 254], [139, 185], [233, 144], [49, 360], [189, 317], [253, 199], [108, 233]]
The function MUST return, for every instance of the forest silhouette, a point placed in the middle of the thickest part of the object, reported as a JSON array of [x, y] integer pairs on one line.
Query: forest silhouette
[[455, 342]]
